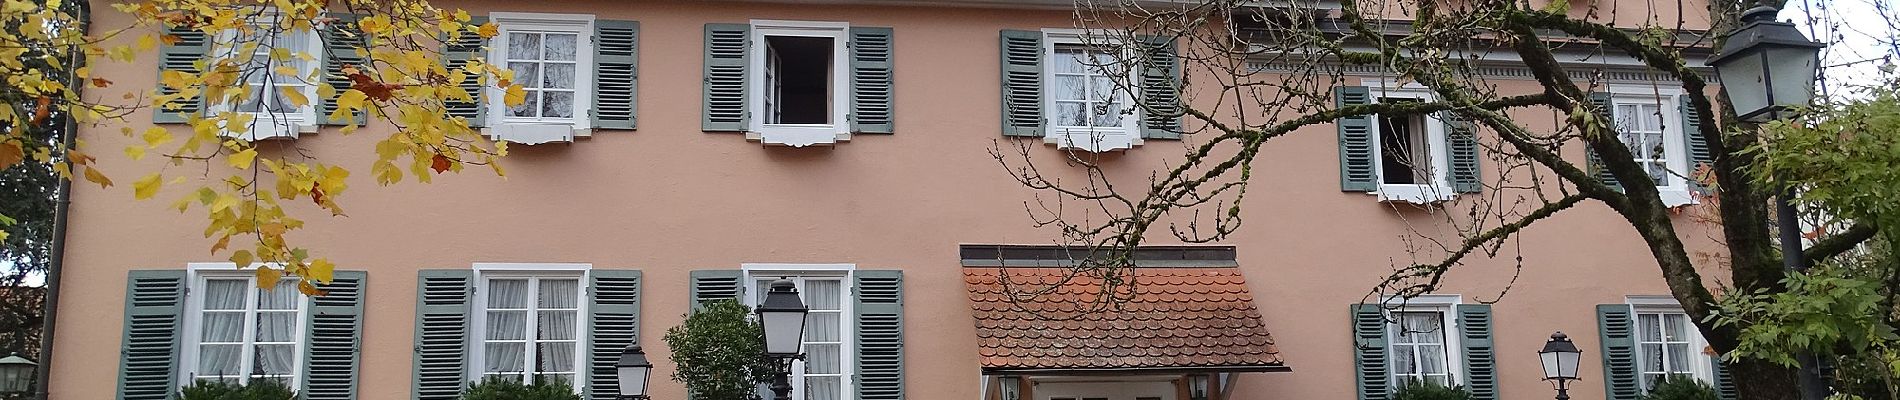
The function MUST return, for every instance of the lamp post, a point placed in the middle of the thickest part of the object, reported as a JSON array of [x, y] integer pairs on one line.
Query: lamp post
[[783, 317], [1560, 358], [16, 374], [634, 370], [1767, 67]]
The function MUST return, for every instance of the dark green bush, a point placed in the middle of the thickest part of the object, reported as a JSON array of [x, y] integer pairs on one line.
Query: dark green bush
[[1680, 389], [1421, 390], [720, 352], [258, 389], [501, 388]]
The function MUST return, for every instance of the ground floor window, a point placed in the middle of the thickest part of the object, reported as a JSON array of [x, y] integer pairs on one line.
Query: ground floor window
[[530, 326], [825, 372], [244, 332]]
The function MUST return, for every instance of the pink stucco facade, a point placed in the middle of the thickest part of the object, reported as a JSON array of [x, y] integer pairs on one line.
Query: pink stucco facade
[[668, 199]]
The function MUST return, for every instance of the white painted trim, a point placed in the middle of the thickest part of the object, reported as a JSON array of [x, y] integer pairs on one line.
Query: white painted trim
[[751, 268], [1439, 189], [1704, 368], [197, 274], [1676, 193], [799, 135], [536, 130], [506, 266]]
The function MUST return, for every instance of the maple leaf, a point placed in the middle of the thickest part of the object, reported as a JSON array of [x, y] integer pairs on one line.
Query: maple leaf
[[42, 110], [439, 163], [101, 82]]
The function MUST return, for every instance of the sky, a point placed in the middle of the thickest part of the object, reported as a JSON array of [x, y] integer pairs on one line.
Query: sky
[[1859, 37]]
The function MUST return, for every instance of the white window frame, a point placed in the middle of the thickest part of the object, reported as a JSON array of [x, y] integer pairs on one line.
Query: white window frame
[[1447, 306], [799, 135], [1676, 193], [198, 274], [478, 313], [265, 124], [754, 273], [1703, 367], [1094, 139], [537, 130], [1440, 187]]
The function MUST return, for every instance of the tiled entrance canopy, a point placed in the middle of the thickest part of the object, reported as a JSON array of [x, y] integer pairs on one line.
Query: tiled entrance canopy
[[1178, 318]]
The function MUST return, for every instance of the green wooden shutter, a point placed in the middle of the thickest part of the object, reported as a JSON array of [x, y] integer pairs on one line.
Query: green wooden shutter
[[333, 333], [1358, 166], [154, 316], [613, 323], [442, 332], [182, 55], [713, 284], [1022, 83], [1699, 153], [1724, 383], [873, 102], [1160, 89], [457, 54], [880, 317], [1461, 150], [1620, 380], [1595, 163], [727, 55], [1370, 368], [1481, 364], [341, 39], [616, 74]]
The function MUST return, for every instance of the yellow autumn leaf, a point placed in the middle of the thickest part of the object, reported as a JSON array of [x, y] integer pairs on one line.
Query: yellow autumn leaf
[[146, 187], [515, 95], [11, 153], [267, 277], [295, 96], [243, 159], [223, 202], [156, 136], [93, 175], [243, 260], [320, 270], [135, 152]]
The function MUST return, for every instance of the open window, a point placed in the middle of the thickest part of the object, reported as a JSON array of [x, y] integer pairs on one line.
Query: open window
[[1411, 149], [799, 83]]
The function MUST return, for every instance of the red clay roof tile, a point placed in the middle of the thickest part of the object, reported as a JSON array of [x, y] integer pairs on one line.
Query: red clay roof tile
[[1173, 318]]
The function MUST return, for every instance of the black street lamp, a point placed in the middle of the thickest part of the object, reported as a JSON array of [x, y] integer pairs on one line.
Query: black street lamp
[[1560, 358], [634, 370], [783, 316], [1767, 66]]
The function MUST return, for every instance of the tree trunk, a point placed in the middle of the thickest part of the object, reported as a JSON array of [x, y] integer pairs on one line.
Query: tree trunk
[[1757, 379]]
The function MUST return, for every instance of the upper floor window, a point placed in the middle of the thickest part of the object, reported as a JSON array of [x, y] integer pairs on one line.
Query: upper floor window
[[1662, 138], [530, 325], [825, 373], [238, 332], [274, 65], [1089, 107], [551, 56], [1411, 152], [800, 86]]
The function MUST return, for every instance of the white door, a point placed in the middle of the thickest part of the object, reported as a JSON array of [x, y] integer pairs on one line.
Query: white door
[[1105, 390]]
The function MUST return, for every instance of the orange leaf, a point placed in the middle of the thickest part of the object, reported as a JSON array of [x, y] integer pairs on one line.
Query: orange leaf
[[41, 111], [439, 163], [101, 82]]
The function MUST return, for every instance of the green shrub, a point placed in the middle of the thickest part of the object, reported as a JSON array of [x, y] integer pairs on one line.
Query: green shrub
[[258, 389], [1422, 390], [502, 388], [720, 352], [1680, 389]]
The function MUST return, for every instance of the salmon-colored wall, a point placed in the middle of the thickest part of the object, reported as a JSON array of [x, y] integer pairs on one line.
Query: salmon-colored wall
[[668, 199]]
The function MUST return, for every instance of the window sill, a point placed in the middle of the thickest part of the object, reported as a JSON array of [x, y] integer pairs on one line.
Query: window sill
[[1093, 141], [264, 127], [797, 135], [535, 133], [1675, 197], [1415, 194]]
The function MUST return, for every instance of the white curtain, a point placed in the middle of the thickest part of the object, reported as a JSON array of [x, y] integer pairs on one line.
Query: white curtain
[[507, 329], [557, 329], [222, 332]]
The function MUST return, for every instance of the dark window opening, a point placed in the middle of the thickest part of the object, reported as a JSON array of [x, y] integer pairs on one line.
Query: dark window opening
[[798, 80], [1404, 152]]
